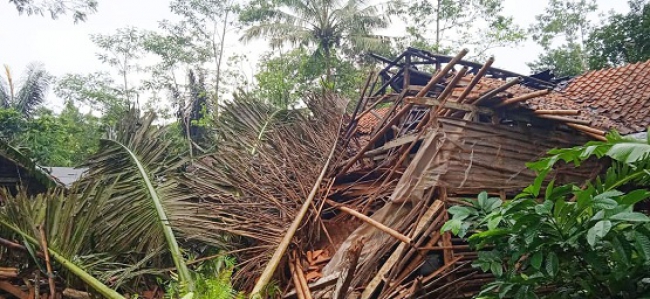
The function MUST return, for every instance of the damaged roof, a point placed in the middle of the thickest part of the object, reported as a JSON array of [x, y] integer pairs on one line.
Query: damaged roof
[[615, 98], [621, 94]]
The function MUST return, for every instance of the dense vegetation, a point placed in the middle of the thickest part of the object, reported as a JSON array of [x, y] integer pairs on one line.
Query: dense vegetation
[[568, 241]]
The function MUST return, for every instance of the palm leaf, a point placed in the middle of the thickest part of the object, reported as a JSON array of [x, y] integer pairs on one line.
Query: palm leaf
[[257, 175], [32, 90], [138, 165], [67, 220]]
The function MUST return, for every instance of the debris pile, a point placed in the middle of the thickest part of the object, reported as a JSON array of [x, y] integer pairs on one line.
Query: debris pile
[[416, 144]]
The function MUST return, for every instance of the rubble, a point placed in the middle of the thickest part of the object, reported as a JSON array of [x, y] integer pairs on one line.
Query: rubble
[[416, 144]]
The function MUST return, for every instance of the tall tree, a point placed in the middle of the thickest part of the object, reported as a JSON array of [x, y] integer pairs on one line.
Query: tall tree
[[96, 91], [624, 38], [121, 51], [325, 25], [564, 27], [564, 61], [444, 25], [80, 9], [25, 96], [202, 34]]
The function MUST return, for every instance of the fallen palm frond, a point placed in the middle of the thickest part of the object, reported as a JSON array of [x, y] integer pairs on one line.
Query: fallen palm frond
[[144, 209], [265, 167], [66, 221]]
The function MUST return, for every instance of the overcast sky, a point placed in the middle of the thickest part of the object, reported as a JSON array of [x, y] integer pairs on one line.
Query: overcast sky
[[65, 47]]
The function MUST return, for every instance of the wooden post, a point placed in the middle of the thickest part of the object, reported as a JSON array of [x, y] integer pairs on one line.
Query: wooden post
[[376, 224], [525, 97], [490, 94], [558, 112], [475, 80]]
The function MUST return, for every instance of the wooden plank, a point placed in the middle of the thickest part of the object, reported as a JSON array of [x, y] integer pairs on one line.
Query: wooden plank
[[395, 256], [449, 105]]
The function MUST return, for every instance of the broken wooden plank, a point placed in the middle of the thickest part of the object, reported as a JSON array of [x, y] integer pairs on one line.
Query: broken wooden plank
[[395, 256], [343, 284]]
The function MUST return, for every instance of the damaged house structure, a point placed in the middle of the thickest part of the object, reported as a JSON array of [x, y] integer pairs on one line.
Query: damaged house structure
[[427, 132]]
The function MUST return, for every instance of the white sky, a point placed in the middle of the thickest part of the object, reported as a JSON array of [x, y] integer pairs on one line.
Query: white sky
[[66, 48]]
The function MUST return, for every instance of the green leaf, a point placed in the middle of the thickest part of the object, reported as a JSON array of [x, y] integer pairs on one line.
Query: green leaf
[[459, 212], [598, 231], [630, 217], [544, 208], [482, 199], [605, 203], [494, 222], [642, 242], [552, 264], [452, 225], [634, 197], [629, 151], [496, 269], [536, 260], [604, 200]]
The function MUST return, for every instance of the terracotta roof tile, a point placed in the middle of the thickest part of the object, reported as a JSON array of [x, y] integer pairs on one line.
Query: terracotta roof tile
[[622, 94], [368, 122]]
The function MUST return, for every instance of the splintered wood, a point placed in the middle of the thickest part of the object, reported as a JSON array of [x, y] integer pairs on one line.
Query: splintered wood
[[405, 157]]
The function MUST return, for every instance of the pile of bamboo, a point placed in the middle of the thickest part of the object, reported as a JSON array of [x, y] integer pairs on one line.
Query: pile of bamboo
[[383, 198]]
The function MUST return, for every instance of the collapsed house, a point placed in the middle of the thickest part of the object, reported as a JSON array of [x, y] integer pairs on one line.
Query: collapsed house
[[427, 132]]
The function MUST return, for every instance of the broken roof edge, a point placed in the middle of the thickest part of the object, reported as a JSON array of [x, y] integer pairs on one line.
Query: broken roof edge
[[37, 172]]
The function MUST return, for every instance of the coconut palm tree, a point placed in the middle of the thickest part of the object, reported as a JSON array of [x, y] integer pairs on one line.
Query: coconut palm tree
[[326, 24], [27, 95]]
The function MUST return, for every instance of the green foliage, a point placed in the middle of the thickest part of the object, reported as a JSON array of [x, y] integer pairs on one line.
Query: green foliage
[[121, 51], [53, 140], [564, 61], [284, 80], [562, 30], [584, 242], [623, 39], [80, 9], [212, 278], [442, 26], [66, 220], [95, 91], [324, 25], [12, 124]]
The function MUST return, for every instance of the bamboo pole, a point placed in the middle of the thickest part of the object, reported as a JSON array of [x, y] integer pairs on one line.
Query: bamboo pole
[[587, 129], [302, 279], [490, 94], [377, 224], [48, 265], [270, 268], [567, 120], [476, 79], [557, 112], [524, 97], [592, 132], [447, 91], [434, 80], [296, 280]]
